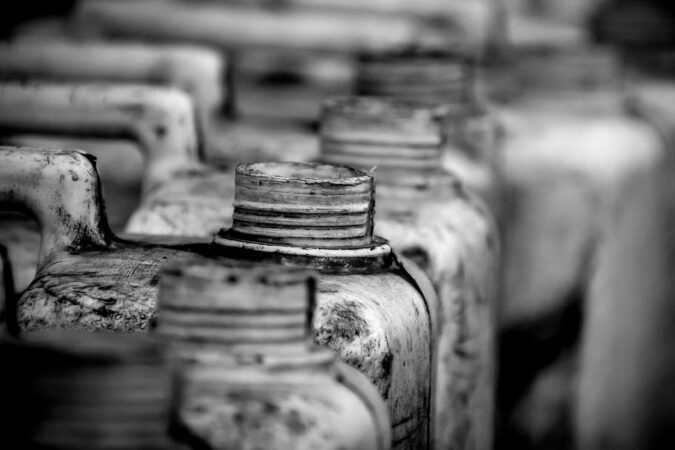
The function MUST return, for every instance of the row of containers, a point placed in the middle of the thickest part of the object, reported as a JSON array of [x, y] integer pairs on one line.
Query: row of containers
[[511, 290]]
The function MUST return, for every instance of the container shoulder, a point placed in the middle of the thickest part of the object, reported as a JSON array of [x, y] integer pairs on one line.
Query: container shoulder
[[114, 288], [283, 411]]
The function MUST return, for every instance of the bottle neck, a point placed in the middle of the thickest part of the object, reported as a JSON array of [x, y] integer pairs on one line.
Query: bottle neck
[[303, 205], [401, 142], [564, 72], [240, 315], [445, 76]]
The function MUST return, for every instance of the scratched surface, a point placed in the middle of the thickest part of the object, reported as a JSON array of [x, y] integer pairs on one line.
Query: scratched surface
[[113, 289], [364, 318], [455, 242], [379, 324]]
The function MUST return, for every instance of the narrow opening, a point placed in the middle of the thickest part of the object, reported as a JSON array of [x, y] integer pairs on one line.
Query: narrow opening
[[303, 171]]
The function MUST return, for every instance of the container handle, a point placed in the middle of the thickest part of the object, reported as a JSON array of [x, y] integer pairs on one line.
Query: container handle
[[61, 191]]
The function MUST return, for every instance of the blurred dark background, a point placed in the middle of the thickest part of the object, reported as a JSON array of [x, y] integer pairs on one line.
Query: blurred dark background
[[14, 13]]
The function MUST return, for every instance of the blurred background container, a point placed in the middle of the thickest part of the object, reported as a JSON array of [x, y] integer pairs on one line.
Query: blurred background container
[[577, 99]]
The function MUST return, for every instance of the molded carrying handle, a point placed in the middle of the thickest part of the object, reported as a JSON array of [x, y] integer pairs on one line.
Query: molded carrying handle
[[61, 190], [161, 120], [197, 70]]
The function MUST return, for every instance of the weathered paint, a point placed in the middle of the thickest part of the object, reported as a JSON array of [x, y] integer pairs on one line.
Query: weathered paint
[[261, 383]]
